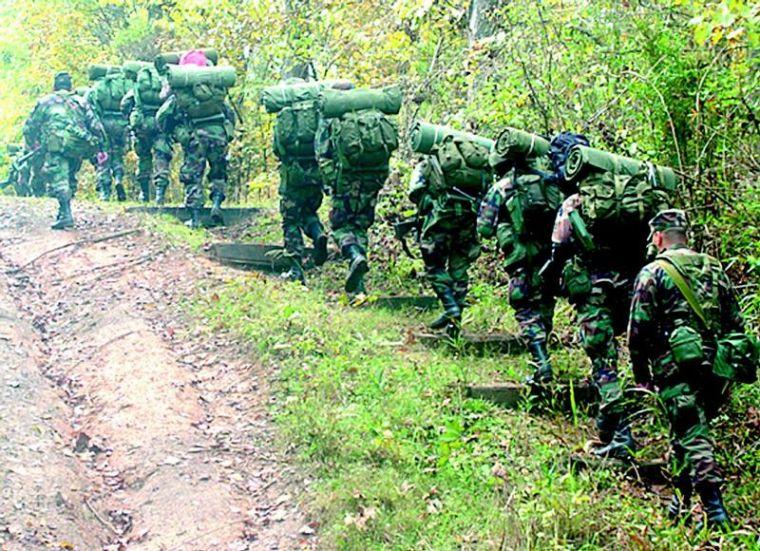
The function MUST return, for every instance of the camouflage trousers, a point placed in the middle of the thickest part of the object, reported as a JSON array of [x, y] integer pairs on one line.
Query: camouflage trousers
[[532, 303], [449, 246], [206, 148], [154, 157], [113, 169], [603, 314], [352, 212], [300, 198], [59, 174]]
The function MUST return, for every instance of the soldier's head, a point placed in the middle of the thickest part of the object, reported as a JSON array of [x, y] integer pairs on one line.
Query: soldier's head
[[669, 227], [62, 81]]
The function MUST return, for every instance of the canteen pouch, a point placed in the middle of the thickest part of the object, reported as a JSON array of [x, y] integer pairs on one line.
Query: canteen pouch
[[687, 347], [576, 278], [736, 358]]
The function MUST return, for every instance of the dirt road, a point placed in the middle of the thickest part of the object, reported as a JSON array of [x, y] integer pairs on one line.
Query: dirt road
[[125, 424]]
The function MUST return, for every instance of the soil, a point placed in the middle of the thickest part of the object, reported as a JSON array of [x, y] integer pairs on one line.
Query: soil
[[125, 423]]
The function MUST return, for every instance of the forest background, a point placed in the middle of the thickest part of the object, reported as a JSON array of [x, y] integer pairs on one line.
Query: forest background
[[672, 81]]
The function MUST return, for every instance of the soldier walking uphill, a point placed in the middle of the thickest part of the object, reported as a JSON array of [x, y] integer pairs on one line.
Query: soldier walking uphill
[[152, 146], [353, 151], [197, 114], [65, 129], [105, 96], [519, 211], [685, 325]]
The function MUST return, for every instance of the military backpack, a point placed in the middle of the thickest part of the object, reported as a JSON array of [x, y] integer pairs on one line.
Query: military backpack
[[295, 131], [108, 93], [365, 140]]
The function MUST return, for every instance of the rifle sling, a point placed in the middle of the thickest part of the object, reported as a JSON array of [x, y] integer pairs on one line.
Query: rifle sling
[[672, 269]]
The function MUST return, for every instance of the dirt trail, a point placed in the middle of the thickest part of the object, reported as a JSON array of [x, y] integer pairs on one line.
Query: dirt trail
[[158, 433]]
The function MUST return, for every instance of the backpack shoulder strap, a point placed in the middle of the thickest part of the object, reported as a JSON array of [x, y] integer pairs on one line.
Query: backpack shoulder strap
[[672, 269]]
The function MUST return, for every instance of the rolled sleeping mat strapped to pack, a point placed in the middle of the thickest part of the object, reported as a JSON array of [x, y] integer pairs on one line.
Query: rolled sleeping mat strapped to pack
[[98, 70], [582, 159], [277, 98], [173, 58], [512, 144], [423, 136], [131, 68], [190, 75], [336, 103]]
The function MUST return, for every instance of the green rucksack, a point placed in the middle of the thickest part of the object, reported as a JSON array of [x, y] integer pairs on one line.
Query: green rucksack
[[148, 86], [295, 131], [109, 92], [365, 140], [623, 199], [464, 163]]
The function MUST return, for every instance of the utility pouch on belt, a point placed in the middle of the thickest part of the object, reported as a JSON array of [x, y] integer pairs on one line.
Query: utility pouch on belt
[[687, 346], [576, 278]]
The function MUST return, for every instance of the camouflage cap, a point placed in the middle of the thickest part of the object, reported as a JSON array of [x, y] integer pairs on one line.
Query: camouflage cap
[[62, 81], [670, 219]]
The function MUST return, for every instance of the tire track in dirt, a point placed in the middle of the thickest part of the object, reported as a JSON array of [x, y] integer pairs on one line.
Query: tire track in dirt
[[168, 421]]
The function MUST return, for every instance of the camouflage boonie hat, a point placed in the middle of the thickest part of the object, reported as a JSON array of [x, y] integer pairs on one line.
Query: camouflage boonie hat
[[671, 219], [62, 81]]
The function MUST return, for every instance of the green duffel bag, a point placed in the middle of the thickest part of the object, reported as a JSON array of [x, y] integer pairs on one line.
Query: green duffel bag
[[365, 140], [736, 358], [295, 131], [336, 103], [423, 136], [98, 71], [189, 76], [464, 164]]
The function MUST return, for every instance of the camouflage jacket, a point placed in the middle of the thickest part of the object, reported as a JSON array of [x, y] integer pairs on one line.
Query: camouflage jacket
[[64, 108], [658, 306]]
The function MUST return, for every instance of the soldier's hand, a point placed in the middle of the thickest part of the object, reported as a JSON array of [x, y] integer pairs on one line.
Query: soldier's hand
[[102, 158]]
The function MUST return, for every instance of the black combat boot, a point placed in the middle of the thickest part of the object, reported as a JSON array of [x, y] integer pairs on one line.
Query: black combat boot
[[144, 191], [296, 272], [620, 447], [195, 218], [216, 209], [543, 368], [712, 505], [357, 268], [317, 234], [451, 318], [65, 219], [679, 508], [160, 196], [121, 193]]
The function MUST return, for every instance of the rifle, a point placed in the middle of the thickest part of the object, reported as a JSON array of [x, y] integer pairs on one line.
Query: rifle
[[404, 227], [15, 168]]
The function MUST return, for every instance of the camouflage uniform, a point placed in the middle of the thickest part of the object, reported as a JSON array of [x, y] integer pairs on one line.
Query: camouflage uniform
[[448, 238], [690, 396], [205, 142], [57, 121], [599, 285], [117, 130], [301, 196], [152, 146], [527, 204]]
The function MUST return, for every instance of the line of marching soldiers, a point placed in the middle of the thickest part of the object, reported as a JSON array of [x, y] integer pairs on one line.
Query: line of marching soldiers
[[180, 98], [571, 220]]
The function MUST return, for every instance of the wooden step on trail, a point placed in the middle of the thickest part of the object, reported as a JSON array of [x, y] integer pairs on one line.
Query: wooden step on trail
[[650, 473], [399, 302], [475, 343], [564, 396], [255, 256], [231, 216]]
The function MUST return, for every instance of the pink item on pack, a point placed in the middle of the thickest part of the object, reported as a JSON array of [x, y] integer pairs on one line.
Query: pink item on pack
[[194, 57]]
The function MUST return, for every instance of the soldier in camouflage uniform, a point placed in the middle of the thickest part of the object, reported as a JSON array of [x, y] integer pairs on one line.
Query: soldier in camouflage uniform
[[205, 141], [66, 130], [448, 239], [105, 96], [691, 395], [599, 284], [523, 204], [152, 146]]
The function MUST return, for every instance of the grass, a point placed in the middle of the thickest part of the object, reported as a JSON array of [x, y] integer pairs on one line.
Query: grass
[[402, 459]]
